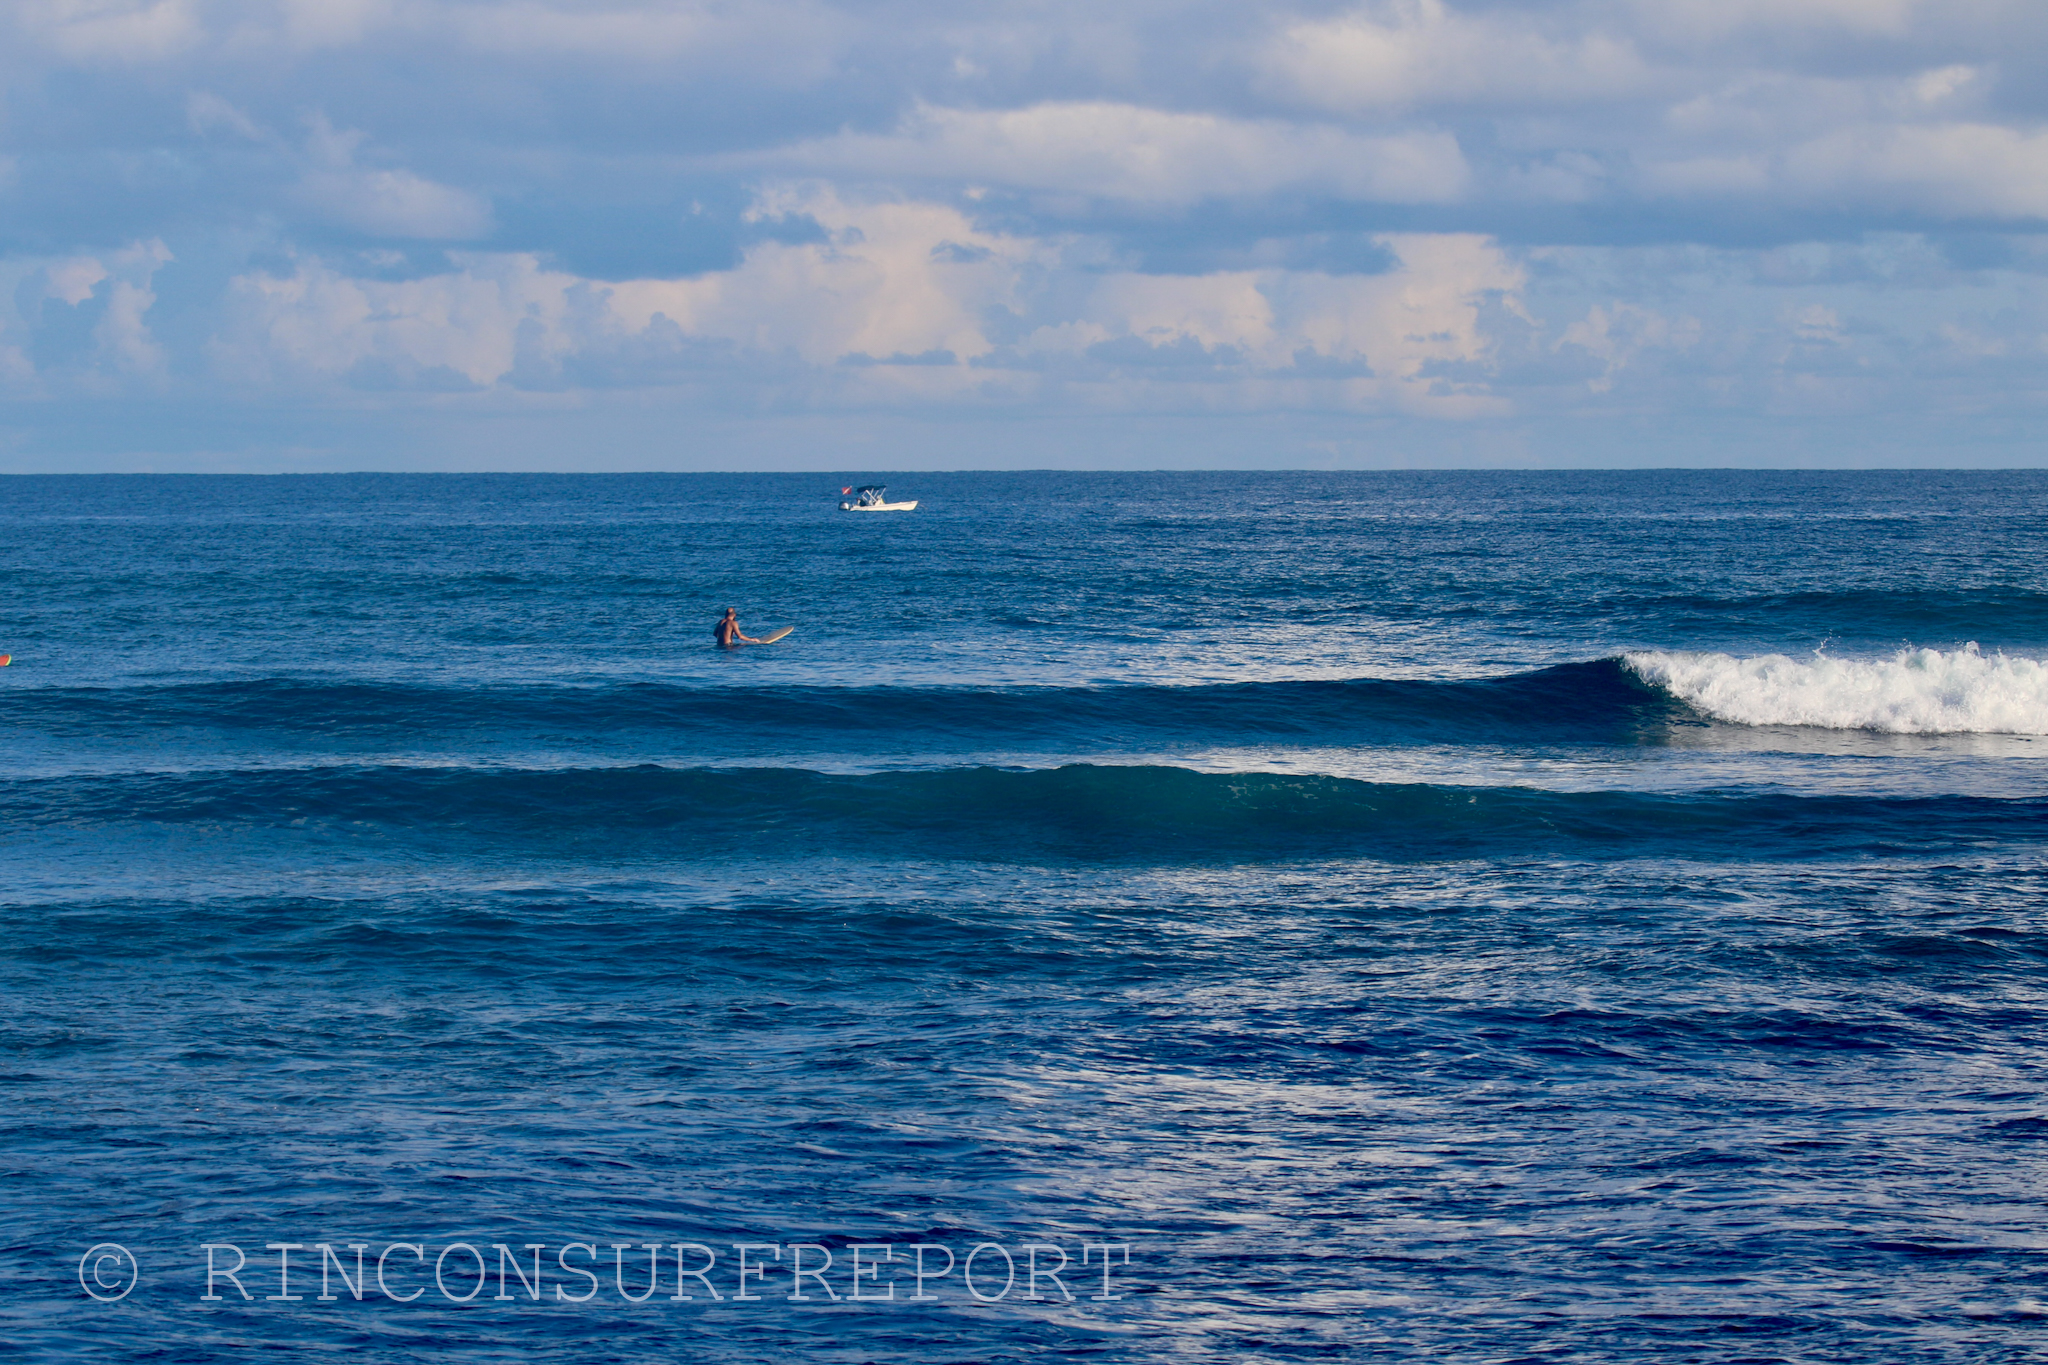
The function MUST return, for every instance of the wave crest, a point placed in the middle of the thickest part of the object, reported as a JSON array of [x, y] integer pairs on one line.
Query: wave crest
[[1915, 692], [1598, 700]]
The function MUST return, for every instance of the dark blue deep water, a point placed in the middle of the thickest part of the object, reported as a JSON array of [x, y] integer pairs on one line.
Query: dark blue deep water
[[1463, 917]]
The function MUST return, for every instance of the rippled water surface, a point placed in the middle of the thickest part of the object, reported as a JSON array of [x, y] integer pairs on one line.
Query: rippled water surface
[[1478, 917]]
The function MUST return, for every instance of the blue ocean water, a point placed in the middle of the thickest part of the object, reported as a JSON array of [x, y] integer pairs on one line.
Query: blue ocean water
[[1259, 917]]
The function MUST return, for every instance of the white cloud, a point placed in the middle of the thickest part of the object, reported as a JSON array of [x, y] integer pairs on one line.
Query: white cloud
[[1947, 170], [314, 24], [884, 287], [1224, 309], [1916, 142], [383, 202], [122, 347], [1412, 323], [393, 204], [123, 334], [1933, 88], [318, 321], [333, 189], [886, 284], [116, 30], [1411, 53], [207, 112], [1816, 322], [1125, 152], [1939, 170], [1001, 190], [898, 280], [1617, 333], [1383, 339], [73, 281]]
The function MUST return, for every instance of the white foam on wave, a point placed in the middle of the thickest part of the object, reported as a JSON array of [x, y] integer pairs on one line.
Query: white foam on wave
[[1914, 692]]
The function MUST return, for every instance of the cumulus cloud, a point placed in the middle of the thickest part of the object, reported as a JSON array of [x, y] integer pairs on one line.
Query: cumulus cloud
[[1440, 208], [908, 295], [898, 278], [83, 321]]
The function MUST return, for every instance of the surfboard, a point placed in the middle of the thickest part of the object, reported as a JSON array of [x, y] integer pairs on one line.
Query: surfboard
[[6, 659], [773, 636]]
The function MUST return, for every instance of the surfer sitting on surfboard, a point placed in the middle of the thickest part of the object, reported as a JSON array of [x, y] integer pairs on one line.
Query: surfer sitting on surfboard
[[728, 631]]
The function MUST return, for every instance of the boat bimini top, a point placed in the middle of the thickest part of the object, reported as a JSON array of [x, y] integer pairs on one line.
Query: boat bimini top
[[872, 497]]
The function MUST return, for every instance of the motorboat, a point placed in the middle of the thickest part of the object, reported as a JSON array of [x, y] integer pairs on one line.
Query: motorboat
[[872, 497]]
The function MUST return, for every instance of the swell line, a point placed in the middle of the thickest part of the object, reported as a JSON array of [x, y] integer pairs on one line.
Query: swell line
[[1079, 811], [1601, 697], [1628, 699]]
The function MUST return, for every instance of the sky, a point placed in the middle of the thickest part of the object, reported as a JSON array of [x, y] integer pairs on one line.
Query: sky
[[284, 235]]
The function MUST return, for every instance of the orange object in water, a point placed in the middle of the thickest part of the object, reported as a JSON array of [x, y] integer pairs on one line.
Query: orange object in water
[[6, 659]]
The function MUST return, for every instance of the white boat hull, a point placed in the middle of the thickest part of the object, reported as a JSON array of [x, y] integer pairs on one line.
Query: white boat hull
[[879, 506]]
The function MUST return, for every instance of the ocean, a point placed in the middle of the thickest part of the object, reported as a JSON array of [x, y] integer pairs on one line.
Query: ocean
[[1479, 917]]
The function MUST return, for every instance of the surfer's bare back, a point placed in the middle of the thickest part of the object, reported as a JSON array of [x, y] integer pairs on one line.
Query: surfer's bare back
[[727, 631]]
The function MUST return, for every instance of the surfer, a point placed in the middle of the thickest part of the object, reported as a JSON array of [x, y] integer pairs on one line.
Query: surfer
[[728, 631]]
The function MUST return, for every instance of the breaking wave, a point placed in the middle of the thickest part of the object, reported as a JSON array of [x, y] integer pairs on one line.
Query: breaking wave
[[1915, 692]]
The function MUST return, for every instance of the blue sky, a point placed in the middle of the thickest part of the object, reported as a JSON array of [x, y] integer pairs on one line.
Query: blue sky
[[600, 234]]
